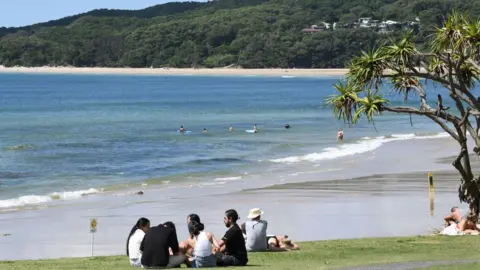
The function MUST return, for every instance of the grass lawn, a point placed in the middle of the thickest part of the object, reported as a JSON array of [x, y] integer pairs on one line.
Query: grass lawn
[[315, 255]]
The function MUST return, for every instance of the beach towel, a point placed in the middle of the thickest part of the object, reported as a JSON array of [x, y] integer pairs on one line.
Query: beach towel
[[451, 230]]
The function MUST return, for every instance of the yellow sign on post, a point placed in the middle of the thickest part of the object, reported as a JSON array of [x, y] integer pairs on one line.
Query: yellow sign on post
[[93, 230], [93, 225]]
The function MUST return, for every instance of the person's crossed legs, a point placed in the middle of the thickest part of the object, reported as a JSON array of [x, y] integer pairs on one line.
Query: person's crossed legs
[[228, 260]]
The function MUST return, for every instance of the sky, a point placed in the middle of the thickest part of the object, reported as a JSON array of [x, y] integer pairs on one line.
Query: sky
[[26, 12]]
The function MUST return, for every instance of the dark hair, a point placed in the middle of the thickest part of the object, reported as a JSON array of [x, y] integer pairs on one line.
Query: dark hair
[[170, 225], [231, 213], [194, 228], [194, 217], [142, 222]]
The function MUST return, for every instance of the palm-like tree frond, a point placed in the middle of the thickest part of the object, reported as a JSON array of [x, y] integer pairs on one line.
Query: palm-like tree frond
[[469, 74], [401, 53], [369, 105], [368, 68], [344, 101], [450, 36], [405, 84]]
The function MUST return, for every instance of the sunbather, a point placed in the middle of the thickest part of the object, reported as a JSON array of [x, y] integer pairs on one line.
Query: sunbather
[[469, 224], [281, 243]]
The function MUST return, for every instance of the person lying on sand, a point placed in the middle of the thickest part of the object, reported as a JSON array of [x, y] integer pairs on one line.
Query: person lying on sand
[[454, 217], [469, 224], [281, 243]]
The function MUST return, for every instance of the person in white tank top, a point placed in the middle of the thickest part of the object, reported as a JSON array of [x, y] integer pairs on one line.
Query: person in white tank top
[[203, 243]]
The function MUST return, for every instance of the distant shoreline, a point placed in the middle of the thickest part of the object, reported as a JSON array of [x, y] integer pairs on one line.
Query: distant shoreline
[[178, 71]]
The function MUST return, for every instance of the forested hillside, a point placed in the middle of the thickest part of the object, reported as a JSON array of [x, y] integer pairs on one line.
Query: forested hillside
[[248, 33]]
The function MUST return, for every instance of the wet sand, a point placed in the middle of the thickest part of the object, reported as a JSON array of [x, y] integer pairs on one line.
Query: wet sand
[[390, 205]]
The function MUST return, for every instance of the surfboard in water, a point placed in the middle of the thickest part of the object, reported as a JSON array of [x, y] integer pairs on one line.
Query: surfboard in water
[[250, 131], [185, 132]]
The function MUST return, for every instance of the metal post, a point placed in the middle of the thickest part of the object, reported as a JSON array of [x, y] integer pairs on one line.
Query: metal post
[[93, 239]]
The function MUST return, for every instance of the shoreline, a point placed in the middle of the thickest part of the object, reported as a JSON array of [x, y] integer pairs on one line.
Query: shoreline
[[363, 199], [177, 71]]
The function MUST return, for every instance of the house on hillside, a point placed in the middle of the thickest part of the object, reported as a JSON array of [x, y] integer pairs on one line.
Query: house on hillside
[[314, 28]]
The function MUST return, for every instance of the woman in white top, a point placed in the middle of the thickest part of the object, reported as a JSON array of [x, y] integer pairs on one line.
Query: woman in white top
[[202, 242], [135, 239]]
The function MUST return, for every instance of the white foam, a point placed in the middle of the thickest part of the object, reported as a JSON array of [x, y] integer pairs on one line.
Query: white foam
[[228, 178], [366, 144], [39, 199]]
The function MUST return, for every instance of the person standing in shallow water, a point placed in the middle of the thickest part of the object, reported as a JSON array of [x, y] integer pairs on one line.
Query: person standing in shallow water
[[134, 241], [340, 134]]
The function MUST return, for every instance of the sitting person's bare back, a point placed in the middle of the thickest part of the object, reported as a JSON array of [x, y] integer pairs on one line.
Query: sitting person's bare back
[[454, 217]]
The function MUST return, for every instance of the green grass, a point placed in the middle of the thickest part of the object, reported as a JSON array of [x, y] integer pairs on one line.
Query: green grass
[[314, 255]]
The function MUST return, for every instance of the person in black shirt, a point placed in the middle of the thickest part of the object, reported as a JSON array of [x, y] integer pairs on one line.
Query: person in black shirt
[[232, 244], [155, 247]]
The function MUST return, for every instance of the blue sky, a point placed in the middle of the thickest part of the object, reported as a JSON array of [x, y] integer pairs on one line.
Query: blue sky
[[25, 12]]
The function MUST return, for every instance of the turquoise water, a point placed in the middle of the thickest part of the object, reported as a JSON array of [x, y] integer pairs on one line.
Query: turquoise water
[[73, 133]]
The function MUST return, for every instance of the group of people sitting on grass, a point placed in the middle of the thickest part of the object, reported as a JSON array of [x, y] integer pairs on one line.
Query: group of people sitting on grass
[[455, 224], [158, 247]]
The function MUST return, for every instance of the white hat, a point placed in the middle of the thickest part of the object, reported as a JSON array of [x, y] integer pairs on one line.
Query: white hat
[[255, 212]]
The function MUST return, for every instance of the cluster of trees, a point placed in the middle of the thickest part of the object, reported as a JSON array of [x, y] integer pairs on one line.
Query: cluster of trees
[[249, 33]]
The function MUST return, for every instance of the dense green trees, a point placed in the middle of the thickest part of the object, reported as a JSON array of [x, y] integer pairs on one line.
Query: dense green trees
[[249, 33]]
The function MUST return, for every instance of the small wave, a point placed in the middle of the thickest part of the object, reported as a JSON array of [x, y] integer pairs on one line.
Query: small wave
[[20, 147], [13, 175], [366, 144], [288, 77], [217, 160], [39, 199], [228, 178]]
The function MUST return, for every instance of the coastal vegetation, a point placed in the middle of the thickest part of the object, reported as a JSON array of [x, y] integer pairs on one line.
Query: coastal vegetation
[[333, 254], [250, 34], [452, 60]]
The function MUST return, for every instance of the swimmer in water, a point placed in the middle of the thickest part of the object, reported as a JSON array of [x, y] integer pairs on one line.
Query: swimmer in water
[[287, 126], [230, 129], [182, 130], [340, 134], [204, 130]]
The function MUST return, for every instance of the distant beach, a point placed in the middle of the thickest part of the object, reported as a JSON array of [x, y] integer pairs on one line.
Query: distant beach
[[178, 71]]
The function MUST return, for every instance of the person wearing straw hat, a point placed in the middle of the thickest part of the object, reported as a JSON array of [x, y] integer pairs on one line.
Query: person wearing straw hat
[[256, 231]]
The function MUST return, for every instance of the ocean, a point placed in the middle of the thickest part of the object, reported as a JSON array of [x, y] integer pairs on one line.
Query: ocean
[[63, 137]]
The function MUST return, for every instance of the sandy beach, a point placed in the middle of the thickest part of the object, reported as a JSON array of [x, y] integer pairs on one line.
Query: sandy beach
[[177, 71], [364, 201]]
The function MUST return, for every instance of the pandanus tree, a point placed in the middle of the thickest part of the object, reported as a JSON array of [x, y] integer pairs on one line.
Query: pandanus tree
[[452, 61]]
